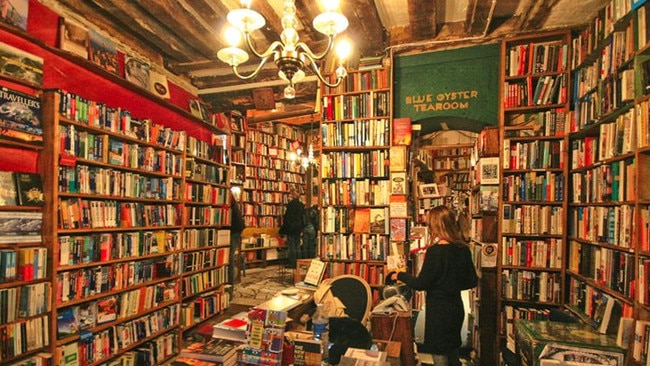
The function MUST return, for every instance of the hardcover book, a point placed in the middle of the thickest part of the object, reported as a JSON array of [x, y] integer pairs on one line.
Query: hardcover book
[[20, 116], [307, 352], [20, 226], [67, 322], [7, 189], [215, 350], [29, 189], [106, 309], [87, 315]]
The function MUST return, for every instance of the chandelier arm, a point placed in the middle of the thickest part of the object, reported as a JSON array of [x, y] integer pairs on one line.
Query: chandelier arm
[[313, 56], [273, 47], [252, 74], [320, 76]]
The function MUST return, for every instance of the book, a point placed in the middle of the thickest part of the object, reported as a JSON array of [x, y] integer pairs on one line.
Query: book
[[21, 224], [314, 275], [398, 183], [397, 158], [402, 131], [378, 220], [20, 116], [187, 361], [7, 189], [398, 229], [87, 314], [215, 350], [625, 332], [307, 352], [73, 37], [29, 189], [115, 152], [106, 309], [102, 51], [67, 322], [233, 328]]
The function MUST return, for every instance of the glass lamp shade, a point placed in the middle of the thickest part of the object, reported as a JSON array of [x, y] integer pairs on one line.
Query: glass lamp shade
[[246, 20], [330, 23], [233, 56]]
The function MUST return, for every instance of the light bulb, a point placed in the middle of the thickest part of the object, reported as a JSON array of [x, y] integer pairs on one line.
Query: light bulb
[[331, 5], [343, 49], [289, 92], [246, 3], [233, 36]]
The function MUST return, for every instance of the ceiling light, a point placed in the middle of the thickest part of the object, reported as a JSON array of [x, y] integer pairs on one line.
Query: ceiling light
[[290, 55]]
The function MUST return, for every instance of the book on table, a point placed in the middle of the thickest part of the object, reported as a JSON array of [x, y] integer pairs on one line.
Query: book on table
[[233, 328], [215, 350], [314, 275]]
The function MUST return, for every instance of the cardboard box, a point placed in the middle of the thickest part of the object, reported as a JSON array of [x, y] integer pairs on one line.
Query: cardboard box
[[541, 343]]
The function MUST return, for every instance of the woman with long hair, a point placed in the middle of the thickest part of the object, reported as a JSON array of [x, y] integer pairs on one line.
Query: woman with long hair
[[446, 271]]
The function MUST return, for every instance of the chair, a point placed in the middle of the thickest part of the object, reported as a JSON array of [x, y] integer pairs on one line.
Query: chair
[[355, 293]]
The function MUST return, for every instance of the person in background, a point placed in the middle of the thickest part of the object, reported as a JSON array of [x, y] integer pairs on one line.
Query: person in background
[[237, 225], [310, 232], [292, 225], [446, 271]]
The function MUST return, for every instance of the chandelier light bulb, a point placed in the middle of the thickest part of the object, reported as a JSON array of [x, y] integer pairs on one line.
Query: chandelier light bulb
[[246, 3], [331, 5], [289, 92], [233, 36], [343, 49]]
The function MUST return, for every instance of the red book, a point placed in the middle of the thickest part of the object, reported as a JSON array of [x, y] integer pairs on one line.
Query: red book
[[402, 131]]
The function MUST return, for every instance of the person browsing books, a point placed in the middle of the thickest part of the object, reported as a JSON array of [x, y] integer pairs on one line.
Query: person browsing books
[[446, 271], [292, 225], [237, 225]]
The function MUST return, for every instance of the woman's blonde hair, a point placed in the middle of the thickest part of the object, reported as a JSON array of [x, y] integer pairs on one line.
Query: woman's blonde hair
[[443, 225]]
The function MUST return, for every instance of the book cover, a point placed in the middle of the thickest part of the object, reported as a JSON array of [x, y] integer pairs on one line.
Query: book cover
[[187, 361], [398, 206], [67, 322], [73, 37], [215, 350], [87, 314], [102, 51], [378, 220], [116, 152], [29, 189], [136, 71], [158, 84], [20, 116], [233, 328], [398, 183], [307, 352], [106, 309], [360, 219], [397, 229], [402, 131], [397, 158], [19, 224], [315, 272], [7, 189]]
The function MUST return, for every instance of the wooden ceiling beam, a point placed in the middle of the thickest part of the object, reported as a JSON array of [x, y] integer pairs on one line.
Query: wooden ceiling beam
[[479, 16], [366, 28], [422, 15]]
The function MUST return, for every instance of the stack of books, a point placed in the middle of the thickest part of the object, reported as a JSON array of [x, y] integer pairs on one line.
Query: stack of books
[[218, 351], [233, 329]]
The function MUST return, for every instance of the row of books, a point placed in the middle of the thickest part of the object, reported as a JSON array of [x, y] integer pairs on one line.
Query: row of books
[[25, 301], [355, 192], [644, 231], [531, 286], [21, 188], [356, 246], [203, 281], [350, 164], [614, 182], [607, 267], [206, 193], [111, 182], [205, 237], [23, 264], [273, 174], [373, 104], [81, 283], [107, 149], [366, 132], [269, 185], [533, 219], [93, 346], [534, 186], [73, 319], [603, 224], [548, 90], [216, 150], [551, 122], [77, 213], [101, 247], [372, 273], [256, 138], [207, 258], [203, 307], [263, 209], [257, 160], [24, 336], [368, 79], [118, 121], [536, 154], [258, 196], [346, 220], [208, 215], [512, 314], [262, 221], [545, 253], [215, 174], [542, 57]]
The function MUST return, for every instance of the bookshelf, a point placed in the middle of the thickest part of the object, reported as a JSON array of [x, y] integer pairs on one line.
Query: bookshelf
[[356, 163], [532, 228], [483, 207], [608, 207], [25, 275], [269, 177]]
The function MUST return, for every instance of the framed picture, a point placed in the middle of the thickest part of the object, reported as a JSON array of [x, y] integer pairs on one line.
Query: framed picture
[[428, 190], [489, 170]]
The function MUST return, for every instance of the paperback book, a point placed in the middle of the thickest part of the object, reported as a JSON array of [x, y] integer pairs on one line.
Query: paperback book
[[7, 189], [29, 189], [20, 116]]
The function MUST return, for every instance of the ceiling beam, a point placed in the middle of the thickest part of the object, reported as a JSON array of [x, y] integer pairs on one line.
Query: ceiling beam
[[423, 19]]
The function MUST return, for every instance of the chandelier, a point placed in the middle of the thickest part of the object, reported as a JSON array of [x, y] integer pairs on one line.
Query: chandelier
[[290, 55], [303, 160]]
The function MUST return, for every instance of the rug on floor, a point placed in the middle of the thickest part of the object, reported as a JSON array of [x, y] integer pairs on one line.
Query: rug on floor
[[261, 284]]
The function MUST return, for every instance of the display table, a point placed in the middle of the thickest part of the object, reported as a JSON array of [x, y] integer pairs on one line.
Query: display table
[[294, 301]]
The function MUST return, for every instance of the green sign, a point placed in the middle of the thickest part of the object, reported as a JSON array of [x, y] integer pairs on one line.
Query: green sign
[[455, 89]]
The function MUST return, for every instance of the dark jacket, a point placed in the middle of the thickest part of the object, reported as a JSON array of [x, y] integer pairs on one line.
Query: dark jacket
[[446, 271], [292, 221], [237, 223]]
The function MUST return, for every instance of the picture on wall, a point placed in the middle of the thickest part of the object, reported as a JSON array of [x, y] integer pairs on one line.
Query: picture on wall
[[14, 12], [136, 71], [73, 38], [19, 64], [103, 52], [158, 84], [428, 190]]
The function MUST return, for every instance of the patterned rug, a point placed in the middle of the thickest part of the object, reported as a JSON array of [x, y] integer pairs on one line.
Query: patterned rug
[[261, 284]]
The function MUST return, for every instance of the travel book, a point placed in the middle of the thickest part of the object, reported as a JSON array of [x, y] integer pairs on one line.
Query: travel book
[[29, 189], [20, 116]]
